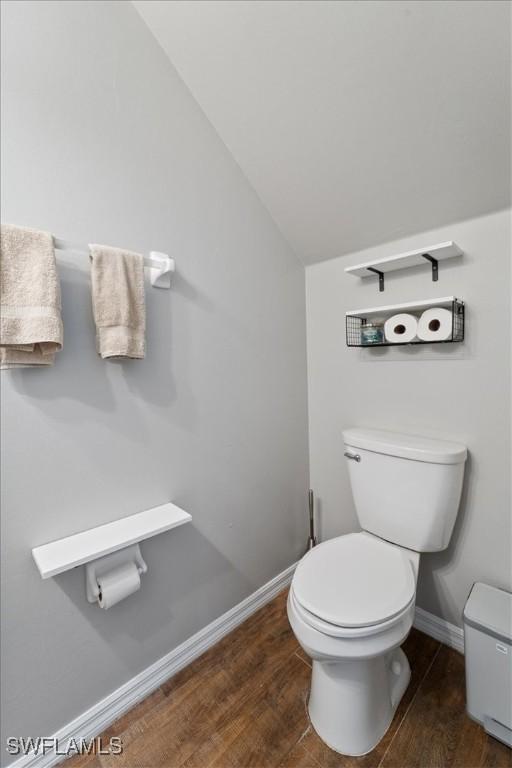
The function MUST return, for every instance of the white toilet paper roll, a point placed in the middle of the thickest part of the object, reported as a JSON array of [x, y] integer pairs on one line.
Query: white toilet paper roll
[[400, 328], [435, 324], [117, 584]]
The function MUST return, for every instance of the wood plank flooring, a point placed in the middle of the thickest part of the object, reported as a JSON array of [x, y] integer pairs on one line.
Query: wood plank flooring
[[243, 703]]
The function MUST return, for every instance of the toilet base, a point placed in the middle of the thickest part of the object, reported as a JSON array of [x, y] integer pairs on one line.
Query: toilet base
[[352, 702]]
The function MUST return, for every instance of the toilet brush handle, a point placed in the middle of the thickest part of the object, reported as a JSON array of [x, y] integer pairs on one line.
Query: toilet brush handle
[[311, 514]]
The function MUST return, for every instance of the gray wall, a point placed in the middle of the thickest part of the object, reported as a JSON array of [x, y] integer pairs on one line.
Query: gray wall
[[103, 143], [459, 392]]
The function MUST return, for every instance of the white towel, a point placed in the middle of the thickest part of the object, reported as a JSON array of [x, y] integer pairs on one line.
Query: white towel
[[118, 302], [30, 308]]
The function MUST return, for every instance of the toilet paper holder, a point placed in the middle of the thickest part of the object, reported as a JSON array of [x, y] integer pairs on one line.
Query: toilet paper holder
[[102, 565]]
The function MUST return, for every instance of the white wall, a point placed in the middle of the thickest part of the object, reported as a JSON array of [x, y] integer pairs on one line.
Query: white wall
[[384, 113], [459, 392], [103, 143]]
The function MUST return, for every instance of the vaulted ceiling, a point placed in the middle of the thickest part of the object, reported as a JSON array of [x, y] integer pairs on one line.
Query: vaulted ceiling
[[355, 122]]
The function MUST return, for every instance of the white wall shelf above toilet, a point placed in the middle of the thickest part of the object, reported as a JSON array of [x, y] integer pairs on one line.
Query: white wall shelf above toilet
[[62, 555], [414, 306], [432, 254]]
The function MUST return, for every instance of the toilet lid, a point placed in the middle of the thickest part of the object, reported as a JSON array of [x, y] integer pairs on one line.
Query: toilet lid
[[354, 581]]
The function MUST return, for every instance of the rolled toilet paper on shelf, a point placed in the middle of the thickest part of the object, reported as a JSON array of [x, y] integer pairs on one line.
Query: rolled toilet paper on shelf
[[118, 583], [401, 328], [435, 324]]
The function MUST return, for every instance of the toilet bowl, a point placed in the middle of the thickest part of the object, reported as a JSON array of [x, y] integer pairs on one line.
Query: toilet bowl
[[352, 598], [351, 605]]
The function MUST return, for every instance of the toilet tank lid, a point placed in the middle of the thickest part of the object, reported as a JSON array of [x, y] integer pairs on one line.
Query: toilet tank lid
[[412, 447]]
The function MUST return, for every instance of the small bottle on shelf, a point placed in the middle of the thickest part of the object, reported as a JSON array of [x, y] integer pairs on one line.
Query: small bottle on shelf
[[372, 333]]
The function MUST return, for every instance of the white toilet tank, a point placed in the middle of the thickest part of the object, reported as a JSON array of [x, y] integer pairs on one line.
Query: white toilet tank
[[406, 488]]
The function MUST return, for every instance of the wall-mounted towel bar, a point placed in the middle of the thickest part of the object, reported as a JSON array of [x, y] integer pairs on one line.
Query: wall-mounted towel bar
[[160, 265]]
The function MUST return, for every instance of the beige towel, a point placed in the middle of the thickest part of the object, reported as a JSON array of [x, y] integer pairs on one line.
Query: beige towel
[[30, 319], [118, 302]]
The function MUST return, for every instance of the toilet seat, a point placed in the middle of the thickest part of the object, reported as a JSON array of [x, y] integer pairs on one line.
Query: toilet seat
[[347, 633], [354, 584]]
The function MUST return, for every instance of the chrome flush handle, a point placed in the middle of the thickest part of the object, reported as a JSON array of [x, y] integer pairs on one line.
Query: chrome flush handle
[[354, 456]]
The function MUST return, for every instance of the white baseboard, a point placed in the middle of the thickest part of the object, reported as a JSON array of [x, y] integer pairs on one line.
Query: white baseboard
[[96, 719], [439, 629]]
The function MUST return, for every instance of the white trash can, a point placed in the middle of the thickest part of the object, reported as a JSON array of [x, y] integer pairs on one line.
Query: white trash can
[[488, 655]]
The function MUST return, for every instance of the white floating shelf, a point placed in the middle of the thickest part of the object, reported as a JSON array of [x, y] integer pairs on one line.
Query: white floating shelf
[[446, 301], [61, 555], [431, 254]]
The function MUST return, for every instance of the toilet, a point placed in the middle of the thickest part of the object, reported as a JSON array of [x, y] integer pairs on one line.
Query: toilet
[[352, 598]]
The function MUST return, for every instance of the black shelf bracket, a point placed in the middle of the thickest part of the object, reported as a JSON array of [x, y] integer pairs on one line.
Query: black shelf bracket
[[435, 267], [381, 277]]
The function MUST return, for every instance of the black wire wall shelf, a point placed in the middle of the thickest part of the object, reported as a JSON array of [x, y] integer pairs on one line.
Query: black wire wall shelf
[[365, 327]]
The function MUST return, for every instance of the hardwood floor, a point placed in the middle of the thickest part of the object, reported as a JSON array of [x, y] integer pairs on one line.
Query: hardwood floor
[[243, 703]]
